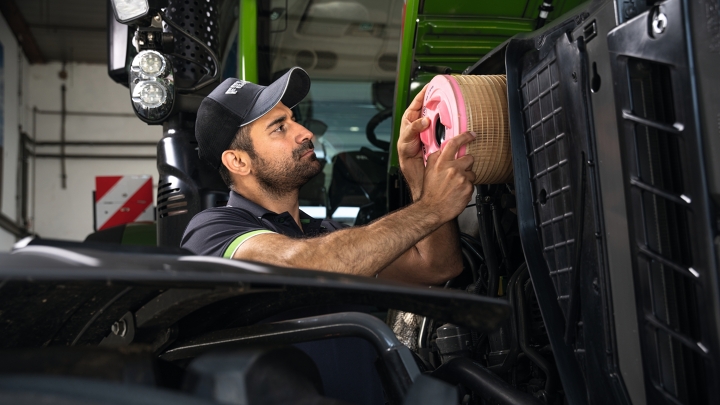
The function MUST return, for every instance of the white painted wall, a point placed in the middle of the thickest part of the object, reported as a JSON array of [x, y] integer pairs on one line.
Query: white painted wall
[[67, 213], [14, 97]]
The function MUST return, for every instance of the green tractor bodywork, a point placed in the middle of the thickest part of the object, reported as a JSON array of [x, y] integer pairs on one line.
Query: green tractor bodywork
[[455, 34]]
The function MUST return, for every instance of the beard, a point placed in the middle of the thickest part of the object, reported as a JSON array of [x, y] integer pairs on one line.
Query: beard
[[281, 177]]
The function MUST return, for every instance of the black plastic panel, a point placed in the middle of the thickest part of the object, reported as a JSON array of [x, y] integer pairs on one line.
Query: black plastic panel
[[550, 79], [527, 55], [668, 205], [549, 160]]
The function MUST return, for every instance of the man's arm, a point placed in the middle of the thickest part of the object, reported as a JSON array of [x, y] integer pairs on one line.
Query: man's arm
[[367, 249], [437, 256]]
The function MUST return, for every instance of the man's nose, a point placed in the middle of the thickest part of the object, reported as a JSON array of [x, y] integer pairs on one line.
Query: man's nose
[[303, 135]]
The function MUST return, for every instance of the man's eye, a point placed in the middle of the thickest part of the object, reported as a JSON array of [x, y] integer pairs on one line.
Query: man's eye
[[281, 128]]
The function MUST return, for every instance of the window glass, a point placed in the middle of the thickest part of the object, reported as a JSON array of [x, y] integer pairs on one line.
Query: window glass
[[349, 49]]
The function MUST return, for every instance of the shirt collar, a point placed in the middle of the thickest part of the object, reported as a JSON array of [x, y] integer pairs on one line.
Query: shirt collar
[[238, 201]]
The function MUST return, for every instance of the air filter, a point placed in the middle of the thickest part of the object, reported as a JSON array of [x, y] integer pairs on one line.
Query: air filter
[[457, 104]]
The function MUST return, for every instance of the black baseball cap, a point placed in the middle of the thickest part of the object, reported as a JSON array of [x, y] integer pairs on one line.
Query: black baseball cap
[[235, 103]]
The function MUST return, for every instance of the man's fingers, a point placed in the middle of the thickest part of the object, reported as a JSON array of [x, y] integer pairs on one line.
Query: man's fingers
[[469, 175], [466, 162], [413, 110], [451, 147], [432, 159]]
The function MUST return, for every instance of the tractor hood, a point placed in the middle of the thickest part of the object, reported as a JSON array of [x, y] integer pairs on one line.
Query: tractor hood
[[75, 294]]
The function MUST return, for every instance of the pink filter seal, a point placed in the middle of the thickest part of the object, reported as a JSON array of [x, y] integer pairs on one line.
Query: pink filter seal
[[445, 107]]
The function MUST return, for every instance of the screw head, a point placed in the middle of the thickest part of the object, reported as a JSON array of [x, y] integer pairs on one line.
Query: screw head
[[659, 22]]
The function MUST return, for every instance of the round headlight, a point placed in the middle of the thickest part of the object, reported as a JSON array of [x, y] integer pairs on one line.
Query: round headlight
[[151, 63], [151, 94], [152, 86]]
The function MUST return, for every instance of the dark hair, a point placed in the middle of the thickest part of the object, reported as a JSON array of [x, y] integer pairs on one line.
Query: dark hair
[[242, 141]]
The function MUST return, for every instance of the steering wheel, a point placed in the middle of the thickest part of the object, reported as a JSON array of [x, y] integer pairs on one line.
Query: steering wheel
[[372, 124]]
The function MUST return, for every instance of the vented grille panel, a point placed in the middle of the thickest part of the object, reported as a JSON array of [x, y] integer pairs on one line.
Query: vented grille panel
[[548, 151], [660, 210]]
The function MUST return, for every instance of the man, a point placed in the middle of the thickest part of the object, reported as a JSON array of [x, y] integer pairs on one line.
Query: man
[[249, 134]]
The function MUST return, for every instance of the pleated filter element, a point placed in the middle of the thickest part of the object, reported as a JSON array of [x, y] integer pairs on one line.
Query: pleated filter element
[[459, 103]]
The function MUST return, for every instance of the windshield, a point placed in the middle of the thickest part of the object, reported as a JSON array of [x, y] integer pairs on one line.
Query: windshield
[[350, 50]]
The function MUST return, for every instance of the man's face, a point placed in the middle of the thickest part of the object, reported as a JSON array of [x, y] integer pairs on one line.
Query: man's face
[[284, 153]]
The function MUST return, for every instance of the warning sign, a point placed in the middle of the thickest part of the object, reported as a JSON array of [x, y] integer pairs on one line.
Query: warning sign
[[122, 199]]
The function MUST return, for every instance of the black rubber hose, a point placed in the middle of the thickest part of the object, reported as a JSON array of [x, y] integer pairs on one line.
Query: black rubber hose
[[207, 49], [485, 224], [473, 245], [471, 260], [511, 358], [499, 234], [523, 335], [483, 382]]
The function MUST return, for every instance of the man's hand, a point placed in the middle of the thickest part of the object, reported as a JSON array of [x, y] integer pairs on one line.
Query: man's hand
[[448, 182], [409, 144]]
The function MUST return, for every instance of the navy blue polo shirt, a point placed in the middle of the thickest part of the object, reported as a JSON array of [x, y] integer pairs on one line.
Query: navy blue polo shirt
[[220, 231]]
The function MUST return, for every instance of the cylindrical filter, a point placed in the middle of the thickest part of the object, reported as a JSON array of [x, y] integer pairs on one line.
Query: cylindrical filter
[[459, 103]]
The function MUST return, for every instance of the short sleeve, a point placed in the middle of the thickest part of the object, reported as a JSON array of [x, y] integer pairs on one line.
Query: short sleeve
[[211, 232]]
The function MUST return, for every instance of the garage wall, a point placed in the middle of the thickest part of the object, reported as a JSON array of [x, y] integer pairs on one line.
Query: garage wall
[[14, 94], [31, 105], [67, 213]]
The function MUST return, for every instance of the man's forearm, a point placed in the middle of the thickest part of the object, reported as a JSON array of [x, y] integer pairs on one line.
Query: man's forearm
[[441, 248], [361, 250]]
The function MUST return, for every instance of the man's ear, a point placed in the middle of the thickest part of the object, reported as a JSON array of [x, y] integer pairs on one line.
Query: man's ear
[[237, 162]]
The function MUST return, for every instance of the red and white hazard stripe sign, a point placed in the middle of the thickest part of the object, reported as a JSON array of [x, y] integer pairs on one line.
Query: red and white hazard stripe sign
[[122, 199]]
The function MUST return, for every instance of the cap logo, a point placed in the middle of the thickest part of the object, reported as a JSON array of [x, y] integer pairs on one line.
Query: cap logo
[[233, 89]]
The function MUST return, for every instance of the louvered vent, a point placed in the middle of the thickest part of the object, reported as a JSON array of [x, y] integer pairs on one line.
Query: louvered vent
[[170, 201]]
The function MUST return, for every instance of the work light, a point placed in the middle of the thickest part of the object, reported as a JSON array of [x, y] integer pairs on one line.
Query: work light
[[150, 94], [127, 11], [152, 86]]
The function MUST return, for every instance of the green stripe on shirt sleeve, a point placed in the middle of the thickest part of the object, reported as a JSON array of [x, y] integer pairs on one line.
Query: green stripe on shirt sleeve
[[234, 245]]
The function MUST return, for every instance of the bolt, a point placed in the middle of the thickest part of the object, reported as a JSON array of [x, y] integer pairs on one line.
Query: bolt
[[150, 36], [119, 328], [574, 77], [659, 22], [487, 199]]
